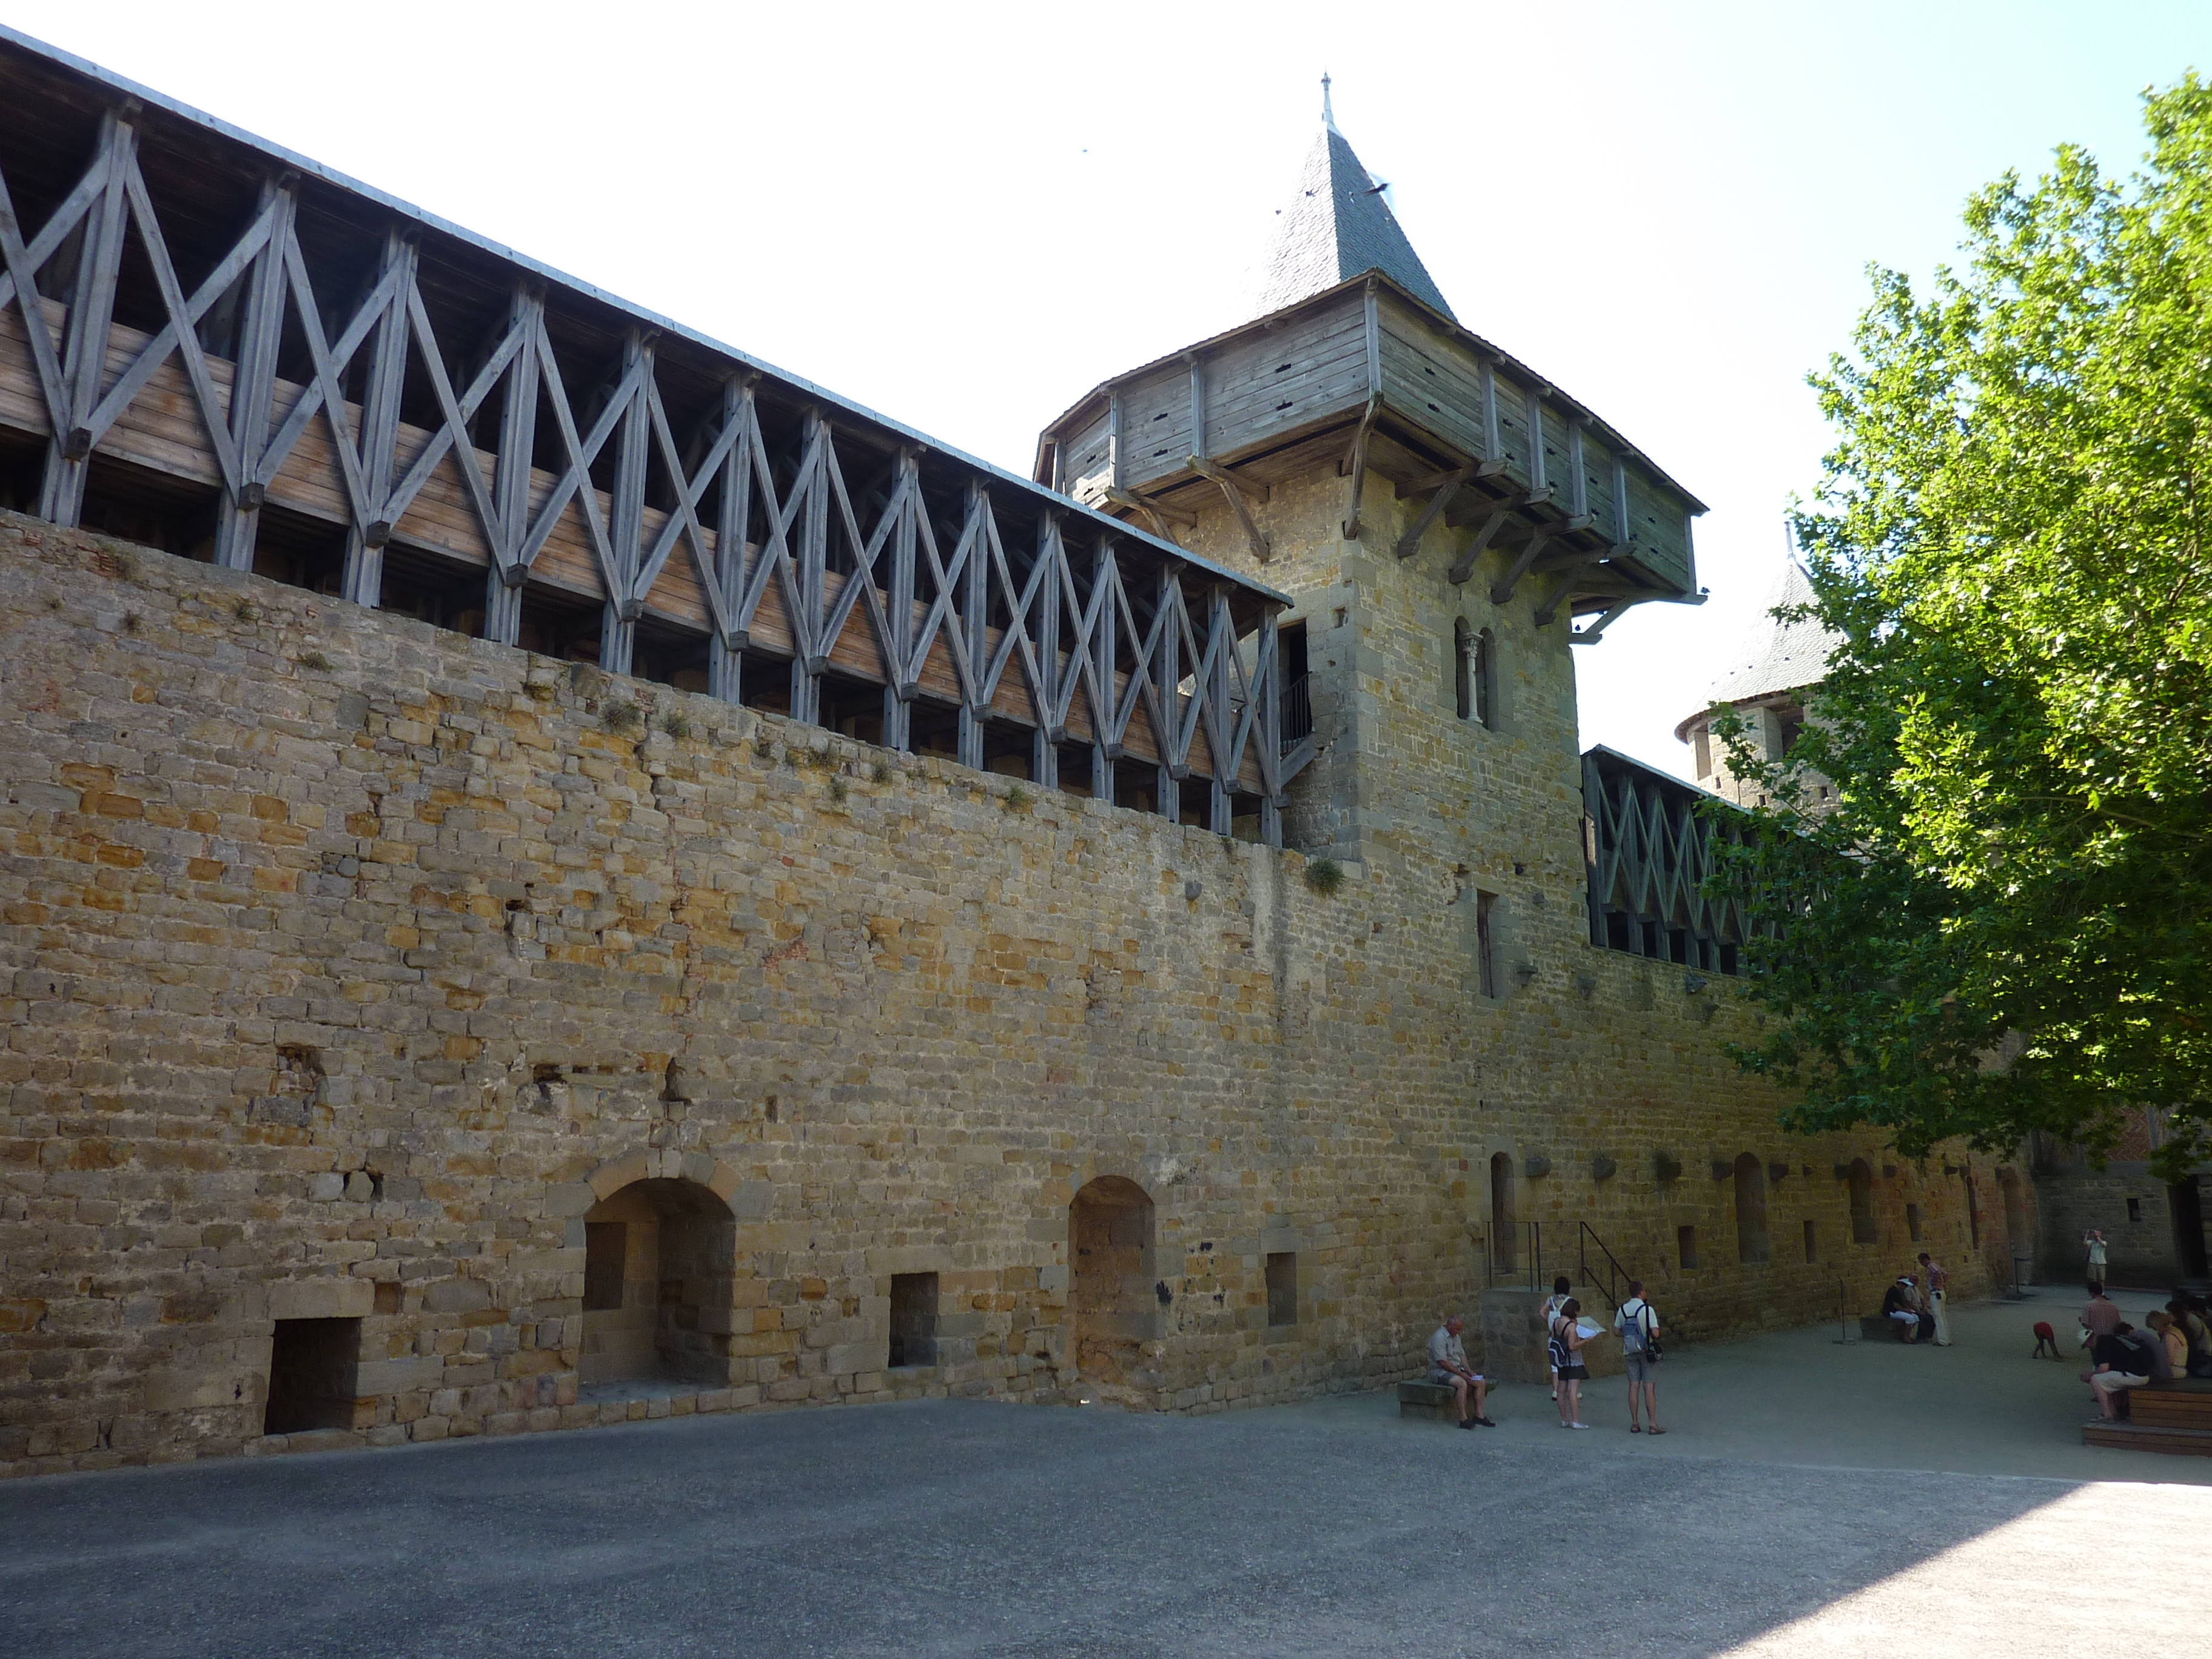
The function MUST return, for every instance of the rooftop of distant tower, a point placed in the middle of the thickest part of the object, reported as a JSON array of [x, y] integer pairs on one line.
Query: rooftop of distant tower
[[1337, 226], [1781, 655]]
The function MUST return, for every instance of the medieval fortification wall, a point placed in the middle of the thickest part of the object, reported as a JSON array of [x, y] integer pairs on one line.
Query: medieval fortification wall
[[348, 967]]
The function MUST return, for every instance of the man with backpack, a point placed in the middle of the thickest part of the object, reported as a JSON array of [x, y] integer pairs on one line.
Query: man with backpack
[[1638, 1326]]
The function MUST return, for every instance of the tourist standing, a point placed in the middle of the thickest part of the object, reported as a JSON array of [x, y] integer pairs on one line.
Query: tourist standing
[[2100, 1316], [1566, 1353], [2095, 1242], [1935, 1292], [1638, 1326], [1552, 1304]]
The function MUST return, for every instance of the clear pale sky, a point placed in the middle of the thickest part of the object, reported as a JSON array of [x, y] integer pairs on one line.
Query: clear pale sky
[[966, 215]]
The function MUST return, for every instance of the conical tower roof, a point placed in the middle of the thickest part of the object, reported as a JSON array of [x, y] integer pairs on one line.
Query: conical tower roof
[[1779, 656], [1336, 228]]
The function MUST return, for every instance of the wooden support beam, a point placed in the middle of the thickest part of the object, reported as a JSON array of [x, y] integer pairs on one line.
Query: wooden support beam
[[1234, 490], [1355, 463], [1502, 592], [626, 516], [1106, 613], [1167, 676], [974, 594], [1157, 513], [363, 580], [1595, 631], [1562, 585], [898, 703], [1472, 472], [1447, 487], [92, 309], [733, 517], [252, 386]]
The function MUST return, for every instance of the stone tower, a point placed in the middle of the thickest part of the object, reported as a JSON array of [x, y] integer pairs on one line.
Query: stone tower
[[1448, 522], [1769, 685]]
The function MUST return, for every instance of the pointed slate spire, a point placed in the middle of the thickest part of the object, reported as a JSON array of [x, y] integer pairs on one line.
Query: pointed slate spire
[[1338, 227], [1779, 656]]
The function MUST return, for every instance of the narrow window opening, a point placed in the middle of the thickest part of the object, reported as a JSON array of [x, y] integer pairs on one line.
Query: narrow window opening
[[2134, 1212], [606, 1245], [1860, 1178], [1486, 957], [1463, 668], [1973, 1215], [312, 1366], [1703, 747], [1486, 680], [1812, 1241], [1686, 1246], [1296, 710], [914, 1319], [1282, 1287], [1912, 1221]]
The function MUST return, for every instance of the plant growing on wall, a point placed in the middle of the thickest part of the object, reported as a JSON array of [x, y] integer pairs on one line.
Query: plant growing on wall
[[2011, 539]]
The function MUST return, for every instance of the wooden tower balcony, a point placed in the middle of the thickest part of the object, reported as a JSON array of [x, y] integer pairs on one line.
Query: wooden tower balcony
[[1368, 378]]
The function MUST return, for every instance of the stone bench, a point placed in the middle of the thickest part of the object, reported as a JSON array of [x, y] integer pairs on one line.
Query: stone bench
[[1431, 1399], [1880, 1328]]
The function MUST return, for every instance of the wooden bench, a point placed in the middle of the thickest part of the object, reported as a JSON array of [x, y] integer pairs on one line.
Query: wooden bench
[[1431, 1399], [2173, 1418]]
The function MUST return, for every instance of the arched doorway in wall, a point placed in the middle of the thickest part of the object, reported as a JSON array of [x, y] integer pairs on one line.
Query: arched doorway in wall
[[1752, 1243], [1504, 1234], [658, 1260], [1860, 1179], [1110, 1238]]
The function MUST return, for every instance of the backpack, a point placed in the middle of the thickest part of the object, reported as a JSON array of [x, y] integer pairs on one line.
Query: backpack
[[1643, 1328], [1561, 1355]]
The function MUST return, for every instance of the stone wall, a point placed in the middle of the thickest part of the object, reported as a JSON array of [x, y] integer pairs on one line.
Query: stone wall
[[349, 963]]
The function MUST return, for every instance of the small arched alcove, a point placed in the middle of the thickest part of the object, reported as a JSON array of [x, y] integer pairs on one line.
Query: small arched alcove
[[1504, 1234], [1109, 1236], [1752, 1243], [1860, 1180], [658, 1260]]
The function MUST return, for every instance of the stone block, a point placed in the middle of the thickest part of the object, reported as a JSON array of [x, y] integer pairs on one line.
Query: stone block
[[456, 1296], [1429, 1399], [327, 1297], [380, 1377]]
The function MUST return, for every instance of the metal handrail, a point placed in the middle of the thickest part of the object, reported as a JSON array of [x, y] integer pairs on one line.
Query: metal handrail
[[1297, 713], [1616, 1275]]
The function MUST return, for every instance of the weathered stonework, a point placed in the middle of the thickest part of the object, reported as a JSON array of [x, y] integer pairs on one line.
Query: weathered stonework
[[351, 966]]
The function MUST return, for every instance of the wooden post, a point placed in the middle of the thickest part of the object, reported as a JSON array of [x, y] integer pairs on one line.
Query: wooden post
[[238, 514], [904, 672], [973, 594], [733, 518], [1221, 631], [518, 437], [1044, 747], [92, 309], [1167, 676], [812, 562], [1267, 684], [626, 520], [1104, 634], [379, 429]]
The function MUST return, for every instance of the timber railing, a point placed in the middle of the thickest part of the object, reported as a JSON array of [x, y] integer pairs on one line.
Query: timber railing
[[212, 345]]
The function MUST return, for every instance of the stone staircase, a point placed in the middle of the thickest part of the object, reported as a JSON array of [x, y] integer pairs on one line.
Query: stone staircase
[[2174, 1418]]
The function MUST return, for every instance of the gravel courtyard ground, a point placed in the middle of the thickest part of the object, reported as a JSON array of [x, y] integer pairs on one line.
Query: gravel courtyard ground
[[1812, 1499]]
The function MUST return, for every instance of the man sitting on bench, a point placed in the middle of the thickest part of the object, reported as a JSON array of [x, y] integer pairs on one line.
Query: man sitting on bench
[[1448, 1366], [1901, 1305]]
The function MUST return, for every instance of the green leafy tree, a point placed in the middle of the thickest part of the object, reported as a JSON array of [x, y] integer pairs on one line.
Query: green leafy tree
[[2002, 924]]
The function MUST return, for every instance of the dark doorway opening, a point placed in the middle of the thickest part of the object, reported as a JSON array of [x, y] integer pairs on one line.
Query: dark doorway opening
[[1504, 1236], [1282, 1287], [659, 1258], [2186, 1200], [312, 1366], [914, 1319]]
